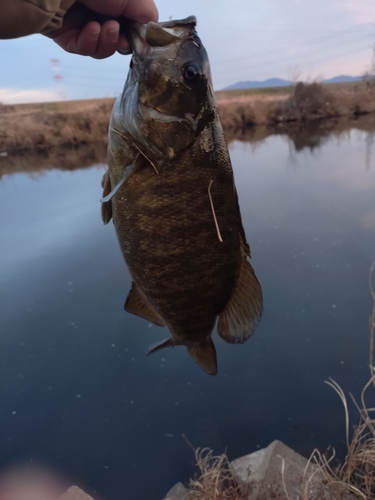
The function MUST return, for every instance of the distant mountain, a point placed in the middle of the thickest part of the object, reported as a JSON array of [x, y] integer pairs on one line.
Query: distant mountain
[[343, 78], [279, 82], [271, 82]]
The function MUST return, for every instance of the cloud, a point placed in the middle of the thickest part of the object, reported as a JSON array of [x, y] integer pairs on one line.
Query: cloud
[[16, 96], [361, 11]]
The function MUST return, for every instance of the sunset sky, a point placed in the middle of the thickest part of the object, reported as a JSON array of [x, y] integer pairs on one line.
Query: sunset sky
[[245, 40]]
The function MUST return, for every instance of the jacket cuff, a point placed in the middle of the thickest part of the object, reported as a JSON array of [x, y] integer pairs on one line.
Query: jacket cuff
[[56, 21]]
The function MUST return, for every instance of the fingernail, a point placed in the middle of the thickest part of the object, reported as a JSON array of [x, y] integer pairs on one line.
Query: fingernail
[[113, 34], [124, 52], [95, 34]]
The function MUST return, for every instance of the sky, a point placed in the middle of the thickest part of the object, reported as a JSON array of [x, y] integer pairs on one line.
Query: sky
[[245, 40]]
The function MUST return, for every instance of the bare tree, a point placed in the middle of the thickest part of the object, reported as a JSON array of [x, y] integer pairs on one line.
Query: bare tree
[[294, 74]]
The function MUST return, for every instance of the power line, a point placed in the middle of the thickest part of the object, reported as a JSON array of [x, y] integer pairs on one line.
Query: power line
[[296, 58], [273, 52]]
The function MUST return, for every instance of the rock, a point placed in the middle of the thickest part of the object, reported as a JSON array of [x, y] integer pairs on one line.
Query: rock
[[278, 472], [178, 492], [75, 493]]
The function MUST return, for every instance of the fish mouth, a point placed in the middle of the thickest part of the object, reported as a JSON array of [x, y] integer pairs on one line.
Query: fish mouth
[[143, 36]]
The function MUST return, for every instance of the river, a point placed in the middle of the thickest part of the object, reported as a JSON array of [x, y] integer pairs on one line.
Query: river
[[77, 392]]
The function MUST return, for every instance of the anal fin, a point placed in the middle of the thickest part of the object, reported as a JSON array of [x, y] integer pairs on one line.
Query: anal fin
[[242, 313], [160, 345], [106, 206], [137, 304]]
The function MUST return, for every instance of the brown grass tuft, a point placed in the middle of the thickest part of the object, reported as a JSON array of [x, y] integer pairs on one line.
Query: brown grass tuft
[[216, 480], [308, 101], [314, 101]]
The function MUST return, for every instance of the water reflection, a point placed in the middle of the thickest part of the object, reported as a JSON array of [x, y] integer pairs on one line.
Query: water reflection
[[310, 135], [76, 389], [61, 158]]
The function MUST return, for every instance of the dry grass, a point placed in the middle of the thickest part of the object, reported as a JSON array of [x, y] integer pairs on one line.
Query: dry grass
[[215, 480], [314, 101], [306, 103], [255, 92], [41, 126], [244, 112]]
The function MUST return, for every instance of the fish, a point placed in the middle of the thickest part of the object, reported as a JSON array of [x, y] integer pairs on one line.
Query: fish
[[170, 192]]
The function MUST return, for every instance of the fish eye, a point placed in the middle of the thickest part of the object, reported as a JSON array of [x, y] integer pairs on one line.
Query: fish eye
[[191, 72]]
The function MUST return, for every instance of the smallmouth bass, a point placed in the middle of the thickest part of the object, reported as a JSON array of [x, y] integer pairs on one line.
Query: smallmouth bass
[[170, 191]]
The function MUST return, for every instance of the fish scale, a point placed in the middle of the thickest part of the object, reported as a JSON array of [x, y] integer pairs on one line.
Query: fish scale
[[168, 241]]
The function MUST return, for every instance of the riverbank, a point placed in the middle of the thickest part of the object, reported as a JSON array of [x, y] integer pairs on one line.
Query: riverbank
[[242, 110], [41, 126]]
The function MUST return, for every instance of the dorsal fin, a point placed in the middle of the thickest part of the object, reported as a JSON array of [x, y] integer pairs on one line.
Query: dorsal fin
[[243, 311], [137, 304], [204, 354], [106, 206]]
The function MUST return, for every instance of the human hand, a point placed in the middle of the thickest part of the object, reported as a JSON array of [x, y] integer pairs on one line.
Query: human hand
[[82, 34]]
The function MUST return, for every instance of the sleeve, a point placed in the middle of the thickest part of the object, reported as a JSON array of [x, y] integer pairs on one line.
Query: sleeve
[[24, 17]]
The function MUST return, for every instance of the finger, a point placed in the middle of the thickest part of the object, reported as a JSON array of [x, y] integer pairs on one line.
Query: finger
[[80, 41], [88, 39], [68, 40], [108, 40]]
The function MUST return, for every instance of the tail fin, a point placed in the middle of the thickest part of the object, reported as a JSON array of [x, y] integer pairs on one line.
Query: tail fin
[[204, 354]]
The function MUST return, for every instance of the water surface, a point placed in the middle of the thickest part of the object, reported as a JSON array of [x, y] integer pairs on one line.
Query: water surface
[[76, 389]]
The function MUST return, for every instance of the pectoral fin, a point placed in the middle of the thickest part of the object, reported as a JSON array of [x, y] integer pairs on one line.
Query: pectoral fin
[[204, 354], [127, 173], [106, 206], [137, 304], [243, 311]]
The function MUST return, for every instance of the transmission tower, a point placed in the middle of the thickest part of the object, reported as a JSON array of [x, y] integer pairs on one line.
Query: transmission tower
[[372, 64], [57, 78]]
